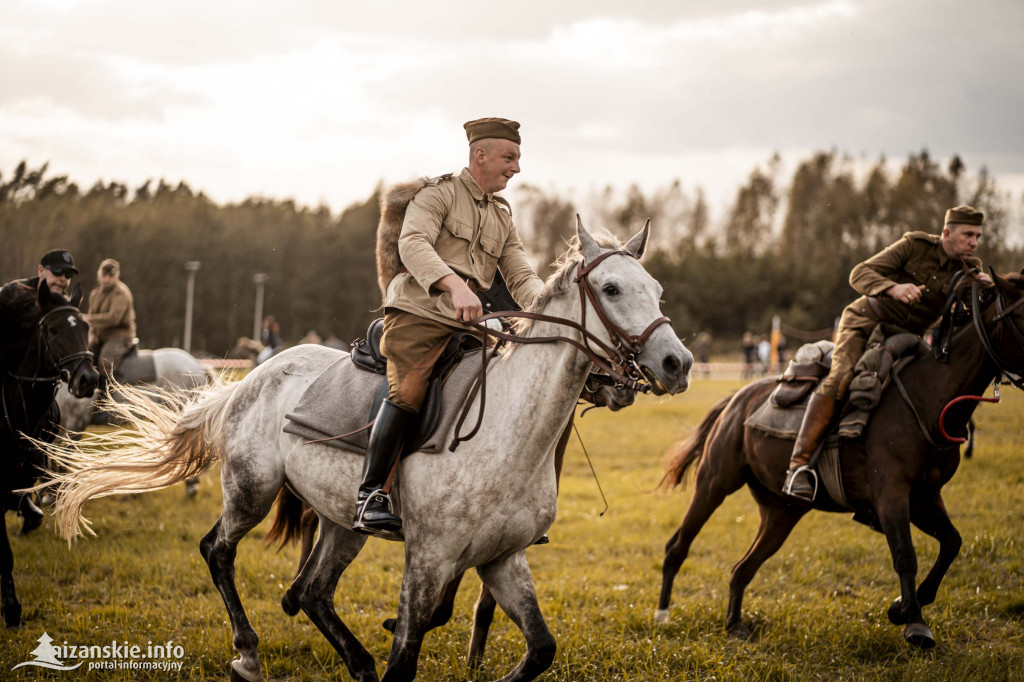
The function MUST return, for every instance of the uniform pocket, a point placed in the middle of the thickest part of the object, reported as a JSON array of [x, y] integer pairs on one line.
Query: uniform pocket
[[492, 246], [454, 245]]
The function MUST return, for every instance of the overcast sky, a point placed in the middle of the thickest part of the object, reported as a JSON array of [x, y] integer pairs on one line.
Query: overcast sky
[[320, 101]]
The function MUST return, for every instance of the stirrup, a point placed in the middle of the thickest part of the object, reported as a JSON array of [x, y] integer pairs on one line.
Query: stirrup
[[788, 488], [360, 527]]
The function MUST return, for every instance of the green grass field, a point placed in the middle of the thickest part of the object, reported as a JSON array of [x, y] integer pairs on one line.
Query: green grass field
[[817, 607]]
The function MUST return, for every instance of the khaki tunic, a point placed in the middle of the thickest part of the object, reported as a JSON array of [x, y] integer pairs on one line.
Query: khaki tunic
[[111, 318], [450, 226], [917, 258]]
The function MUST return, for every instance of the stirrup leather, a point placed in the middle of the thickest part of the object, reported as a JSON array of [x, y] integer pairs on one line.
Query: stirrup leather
[[788, 489]]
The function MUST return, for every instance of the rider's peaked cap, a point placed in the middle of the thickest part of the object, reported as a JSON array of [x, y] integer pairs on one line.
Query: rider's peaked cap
[[965, 215], [58, 258], [483, 128]]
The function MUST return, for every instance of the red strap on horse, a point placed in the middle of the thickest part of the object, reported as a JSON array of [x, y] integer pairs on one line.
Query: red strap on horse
[[954, 401]]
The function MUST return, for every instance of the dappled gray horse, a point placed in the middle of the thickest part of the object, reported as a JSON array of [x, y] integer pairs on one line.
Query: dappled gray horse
[[478, 507]]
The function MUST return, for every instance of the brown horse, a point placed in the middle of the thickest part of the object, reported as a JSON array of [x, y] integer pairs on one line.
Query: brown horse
[[295, 521], [892, 475]]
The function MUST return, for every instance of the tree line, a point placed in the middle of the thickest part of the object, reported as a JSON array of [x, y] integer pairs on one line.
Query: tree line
[[784, 246]]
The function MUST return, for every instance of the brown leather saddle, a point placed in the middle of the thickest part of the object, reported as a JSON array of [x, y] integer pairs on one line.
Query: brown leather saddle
[[366, 355], [799, 379]]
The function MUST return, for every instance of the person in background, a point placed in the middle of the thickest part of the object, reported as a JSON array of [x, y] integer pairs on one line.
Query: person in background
[[111, 319]]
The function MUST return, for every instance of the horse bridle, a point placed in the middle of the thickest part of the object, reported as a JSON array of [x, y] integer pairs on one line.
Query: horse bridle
[[61, 363], [62, 372], [620, 360], [1002, 315]]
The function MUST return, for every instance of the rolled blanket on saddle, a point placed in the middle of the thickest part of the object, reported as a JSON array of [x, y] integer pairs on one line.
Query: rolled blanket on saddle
[[887, 345]]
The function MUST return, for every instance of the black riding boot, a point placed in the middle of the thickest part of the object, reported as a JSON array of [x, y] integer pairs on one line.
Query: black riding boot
[[374, 512]]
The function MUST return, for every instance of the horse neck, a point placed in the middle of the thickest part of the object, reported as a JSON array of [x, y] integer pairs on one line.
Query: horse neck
[[968, 372], [25, 402], [539, 383]]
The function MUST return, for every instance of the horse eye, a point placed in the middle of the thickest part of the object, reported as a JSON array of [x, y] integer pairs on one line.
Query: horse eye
[[610, 290]]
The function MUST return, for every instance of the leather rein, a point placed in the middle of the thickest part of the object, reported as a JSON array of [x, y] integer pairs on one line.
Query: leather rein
[[1004, 373], [619, 361]]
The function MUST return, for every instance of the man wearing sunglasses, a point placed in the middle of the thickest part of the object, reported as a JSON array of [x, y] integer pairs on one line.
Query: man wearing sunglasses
[[19, 308]]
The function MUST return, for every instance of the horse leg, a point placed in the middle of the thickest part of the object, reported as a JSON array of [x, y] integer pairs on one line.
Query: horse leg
[[313, 592], [421, 587], [308, 524], [483, 614], [442, 610], [931, 517], [244, 507], [710, 490], [777, 522], [511, 585], [894, 515], [9, 603]]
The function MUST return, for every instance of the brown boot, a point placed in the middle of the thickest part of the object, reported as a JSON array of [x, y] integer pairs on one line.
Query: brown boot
[[802, 481]]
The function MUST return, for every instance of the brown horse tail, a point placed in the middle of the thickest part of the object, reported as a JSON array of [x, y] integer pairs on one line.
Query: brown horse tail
[[687, 452], [287, 525]]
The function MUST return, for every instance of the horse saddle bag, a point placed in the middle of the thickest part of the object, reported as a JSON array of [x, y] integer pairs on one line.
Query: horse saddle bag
[[799, 379], [366, 355]]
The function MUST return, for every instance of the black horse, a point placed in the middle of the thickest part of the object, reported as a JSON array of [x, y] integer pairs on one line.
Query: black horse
[[893, 474], [58, 348]]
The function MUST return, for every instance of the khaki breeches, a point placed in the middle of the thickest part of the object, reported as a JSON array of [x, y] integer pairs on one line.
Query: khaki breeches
[[412, 345]]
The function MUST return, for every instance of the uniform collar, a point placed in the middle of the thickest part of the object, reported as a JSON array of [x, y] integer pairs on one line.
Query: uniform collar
[[474, 189]]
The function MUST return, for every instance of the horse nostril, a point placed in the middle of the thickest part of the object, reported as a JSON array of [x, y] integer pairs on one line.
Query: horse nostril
[[671, 365]]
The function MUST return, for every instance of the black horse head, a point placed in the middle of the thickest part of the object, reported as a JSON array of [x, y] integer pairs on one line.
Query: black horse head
[[59, 345]]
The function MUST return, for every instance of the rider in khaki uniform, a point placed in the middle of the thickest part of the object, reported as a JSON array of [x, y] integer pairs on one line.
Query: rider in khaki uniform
[[111, 317], [455, 235], [906, 285]]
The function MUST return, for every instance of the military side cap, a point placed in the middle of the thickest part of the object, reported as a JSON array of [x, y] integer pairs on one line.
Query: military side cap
[[483, 128], [58, 261], [965, 215]]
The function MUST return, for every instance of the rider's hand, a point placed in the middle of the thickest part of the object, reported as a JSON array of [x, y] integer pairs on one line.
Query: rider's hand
[[467, 304], [906, 293], [984, 278]]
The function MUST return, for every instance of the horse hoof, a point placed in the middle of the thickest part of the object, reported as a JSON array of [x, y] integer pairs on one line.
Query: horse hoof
[[896, 616], [920, 635], [742, 632], [390, 624], [289, 603], [240, 674], [661, 616], [12, 617]]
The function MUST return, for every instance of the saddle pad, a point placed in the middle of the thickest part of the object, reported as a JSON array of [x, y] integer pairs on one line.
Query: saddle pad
[[780, 422], [340, 401], [137, 368]]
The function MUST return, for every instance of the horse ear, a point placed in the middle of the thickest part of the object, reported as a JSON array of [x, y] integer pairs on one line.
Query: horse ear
[[638, 243], [588, 247], [76, 295], [43, 295]]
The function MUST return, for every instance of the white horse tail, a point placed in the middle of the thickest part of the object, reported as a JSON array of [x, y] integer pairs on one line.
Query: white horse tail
[[169, 436]]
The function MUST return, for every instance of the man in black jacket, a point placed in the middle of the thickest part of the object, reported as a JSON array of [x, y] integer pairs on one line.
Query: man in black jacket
[[19, 309]]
